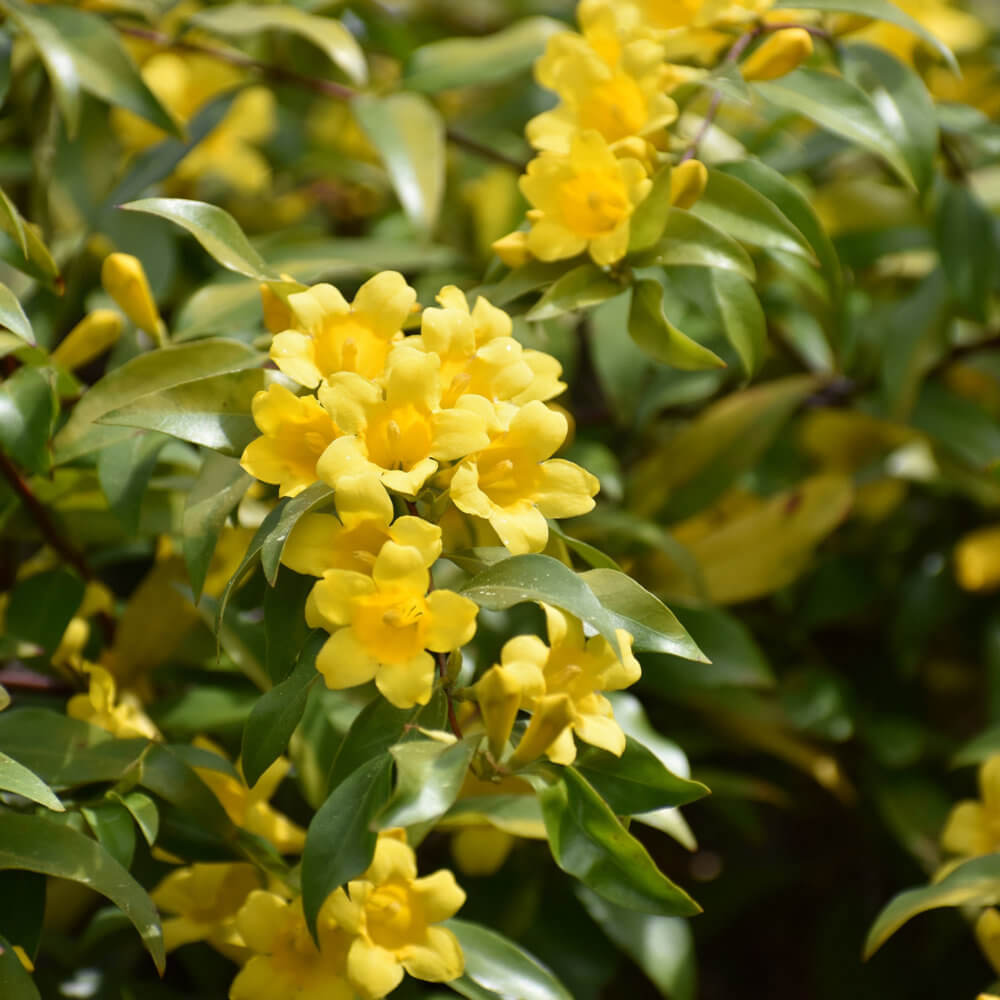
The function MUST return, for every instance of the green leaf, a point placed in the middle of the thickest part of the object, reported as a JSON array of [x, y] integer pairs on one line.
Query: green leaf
[[589, 843], [902, 102], [15, 980], [468, 62], [41, 606], [649, 219], [653, 626], [12, 316], [958, 424], [277, 713], [688, 239], [285, 628], [429, 776], [15, 777], [534, 275], [22, 924], [650, 329], [217, 491], [340, 843], [743, 213], [114, 829], [964, 230], [216, 230], [972, 883], [12, 223], [144, 811], [124, 470], [27, 411], [880, 10], [540, 578], [6, 50], [582, 288], [501, 967], [326, 33], [101, 62], [840, 107], [213, 412], [408, 132], [637, 781], [40, 845], [143, 375], [317, 495]]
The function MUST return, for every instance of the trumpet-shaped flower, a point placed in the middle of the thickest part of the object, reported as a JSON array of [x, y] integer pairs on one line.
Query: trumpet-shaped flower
[[319, 542], [394, 915], [397, 431], [331, 335], [286, 964], [103, 706], [515, 484], [124, 279], [205, 899], [973, 827], [582, 200], [579, 669], [295, 431], [382, 625]]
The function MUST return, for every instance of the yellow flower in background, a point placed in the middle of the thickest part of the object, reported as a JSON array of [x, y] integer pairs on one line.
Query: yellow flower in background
[[988, 938], [395, 915], [977, 559], [582, 200], [354, 538], [481, 850], [382, 625], [620, 101], [286, 964], [331, 335], [397, 431], [125, 280], [973, 827], [205, 899], [578, 669], [295, 431], [89, 339], [119, 713], [778, 54], [515, 484], [958, 29], [96, 599]]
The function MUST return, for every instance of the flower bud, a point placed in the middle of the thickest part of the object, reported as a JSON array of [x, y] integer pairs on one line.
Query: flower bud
[[125, 281], [778, 55], [90, 338], [499, 697], [553, 713], [512, 249], [687, 183], [274, 303]]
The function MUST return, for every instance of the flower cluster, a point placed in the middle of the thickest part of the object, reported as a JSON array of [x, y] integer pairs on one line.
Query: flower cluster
[[456, 415]]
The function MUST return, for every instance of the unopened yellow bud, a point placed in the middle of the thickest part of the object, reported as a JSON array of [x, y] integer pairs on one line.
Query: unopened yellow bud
[[553, 713], [480, 850], [778, 55], [687, 183], [512, 249], [125, 281], [90, 338], [499, 697], [977, 559]]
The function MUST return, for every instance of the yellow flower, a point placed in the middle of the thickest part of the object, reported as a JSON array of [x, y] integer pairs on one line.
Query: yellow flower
[[512, 249], [329, 335], [511, 485], [295, 431], [778, 54], [973, 828], [125, 281], [382, 625], [394, 913], [287, 965], [579, 669], [582, 200], [89, 339], [481, 850], [619, 101], [319, 542], [988, 937], [206, 899], [977, 559], [958, 29], [248, 808], [102, 706], [480, 356], [397, 431]]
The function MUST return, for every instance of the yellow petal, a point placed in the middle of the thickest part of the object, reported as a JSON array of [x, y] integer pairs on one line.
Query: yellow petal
[[260, 918], [409, 683], [332, 600], [125, 281], [372, 971], [453, 621], [393, 859], [498, 693], [438, 960], [442, 897], [552, 715], [481, 850]]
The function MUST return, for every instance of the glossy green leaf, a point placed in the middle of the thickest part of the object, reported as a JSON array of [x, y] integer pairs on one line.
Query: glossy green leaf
[[316, 496], [962, 222], [540, 578], [534, 275], [973, 883], [840, 107], [12, 223], [27, 412], [277, 713], [41, 606], [22, 924], [647, 222], [16, 778], [478, 61], [502, 968], [326, 33], [40, 845], [15, 981], [957, 424], [285, 628], [738, 210], [144, 811], [216, 230], [688, 239], [114, 829], [124, 470], [213, 412], [340, 843], [588, 842], [582, 288], [651, 330], [12, 315], [408, 132], [429, 776], [6, 50]]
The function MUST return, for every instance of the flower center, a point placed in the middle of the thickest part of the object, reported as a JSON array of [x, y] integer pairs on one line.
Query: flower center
[[345, 345], [616, 108], [593, 202], [391, 626], [392, 917], [399, 437]]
